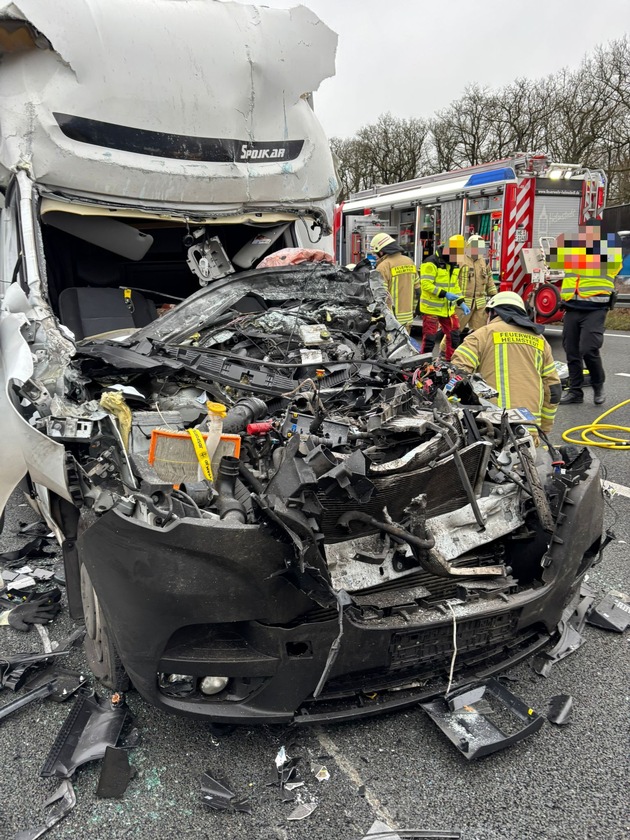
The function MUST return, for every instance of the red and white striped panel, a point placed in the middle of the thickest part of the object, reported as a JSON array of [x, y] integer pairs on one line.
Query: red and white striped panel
[[518, 213]]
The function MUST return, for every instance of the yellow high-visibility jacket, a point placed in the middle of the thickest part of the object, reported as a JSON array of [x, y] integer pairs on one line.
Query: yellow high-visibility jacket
[[400, 276], [436, 281], [592, 289], [515, 361]]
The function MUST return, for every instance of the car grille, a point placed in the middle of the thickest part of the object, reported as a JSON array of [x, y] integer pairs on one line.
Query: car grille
[[425, 653]]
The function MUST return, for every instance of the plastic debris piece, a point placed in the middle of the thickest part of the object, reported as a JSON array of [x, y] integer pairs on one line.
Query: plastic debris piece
[[30, 697], [466, 698], [381, 831], [116, 773], [570, 628], [560, 709], [39, 529], [303, 810], [60, 803], [216, 795], [21, 582], [28, 550], [474, 732], [131, 740], [281, 758], [322, 774], [92, 725], [42, 574], [293, 785], [611, 613]]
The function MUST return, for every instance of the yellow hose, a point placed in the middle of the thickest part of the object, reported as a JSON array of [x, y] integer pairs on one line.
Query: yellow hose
[[596, 428]]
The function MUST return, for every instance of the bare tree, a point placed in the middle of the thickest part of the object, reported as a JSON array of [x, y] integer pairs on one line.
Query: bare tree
[[385, 152], [579, 115]]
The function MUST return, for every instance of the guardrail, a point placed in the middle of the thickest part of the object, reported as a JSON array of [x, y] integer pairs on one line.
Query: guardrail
[[623, 302]]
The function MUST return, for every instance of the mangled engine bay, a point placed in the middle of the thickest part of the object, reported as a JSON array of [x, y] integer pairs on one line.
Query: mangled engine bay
[[362, 500]]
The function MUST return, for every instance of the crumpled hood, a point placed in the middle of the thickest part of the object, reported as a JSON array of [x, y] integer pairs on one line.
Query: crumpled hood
[[164, 100]]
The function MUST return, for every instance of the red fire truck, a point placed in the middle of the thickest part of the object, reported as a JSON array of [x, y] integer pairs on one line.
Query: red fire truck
[[519, 205]]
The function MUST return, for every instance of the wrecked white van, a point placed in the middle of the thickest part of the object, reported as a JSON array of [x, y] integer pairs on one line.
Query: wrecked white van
[[268, 508]]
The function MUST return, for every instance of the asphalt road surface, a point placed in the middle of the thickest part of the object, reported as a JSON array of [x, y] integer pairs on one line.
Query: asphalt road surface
[[566, 782]]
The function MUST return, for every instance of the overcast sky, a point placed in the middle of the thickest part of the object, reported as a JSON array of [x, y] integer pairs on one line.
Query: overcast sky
[[411, 57]]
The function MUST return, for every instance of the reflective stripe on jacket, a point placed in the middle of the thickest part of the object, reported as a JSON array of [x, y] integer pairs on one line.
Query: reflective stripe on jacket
[[435, 280], [400, 276], [593, 289], [476, 282], [515, 361]]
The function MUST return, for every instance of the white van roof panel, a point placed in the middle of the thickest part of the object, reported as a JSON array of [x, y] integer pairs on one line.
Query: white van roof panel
[[166, 100]]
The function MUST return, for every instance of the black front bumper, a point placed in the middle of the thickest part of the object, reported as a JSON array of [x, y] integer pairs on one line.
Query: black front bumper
[[205, 598]]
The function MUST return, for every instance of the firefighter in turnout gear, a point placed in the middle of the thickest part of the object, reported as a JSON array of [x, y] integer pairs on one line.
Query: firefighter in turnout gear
[[588, 292], [477, 285], [511, 355], [400, 276], [441, 293]]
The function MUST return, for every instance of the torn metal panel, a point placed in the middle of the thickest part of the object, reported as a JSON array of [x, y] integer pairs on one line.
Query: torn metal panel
[[456, 533], [484, 720], [105, 119], [22, 448]]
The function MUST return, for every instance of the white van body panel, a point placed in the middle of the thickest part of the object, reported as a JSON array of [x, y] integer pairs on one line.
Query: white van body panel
[[152, 100]]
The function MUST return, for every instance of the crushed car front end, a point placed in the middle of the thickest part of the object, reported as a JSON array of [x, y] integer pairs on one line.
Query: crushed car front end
[[372, 536], [365, 525]]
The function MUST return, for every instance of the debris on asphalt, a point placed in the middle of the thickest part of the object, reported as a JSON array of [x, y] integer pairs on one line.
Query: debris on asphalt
[[293, 785], [26, 699], [281, 758], [483, 723], [92, 725], [303, 810], [38, 528], [286, 775], [116, 773], [322, 774], [60, 803], [27, 550], [13, 667], [381, 831], [611, 613], [217, 795], [560, 709], [570, 628]]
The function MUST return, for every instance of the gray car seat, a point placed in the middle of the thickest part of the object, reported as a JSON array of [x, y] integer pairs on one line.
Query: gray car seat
[[89, 312]]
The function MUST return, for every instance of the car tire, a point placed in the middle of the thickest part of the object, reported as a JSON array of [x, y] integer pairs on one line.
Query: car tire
[[101, 653]]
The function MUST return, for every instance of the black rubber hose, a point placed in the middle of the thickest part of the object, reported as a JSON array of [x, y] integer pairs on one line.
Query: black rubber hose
[[228, 505], [395, 530], [250, 479], [245, 411]]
